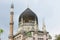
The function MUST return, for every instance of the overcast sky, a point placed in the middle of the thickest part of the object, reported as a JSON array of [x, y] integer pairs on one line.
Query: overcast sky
[[48, 9]]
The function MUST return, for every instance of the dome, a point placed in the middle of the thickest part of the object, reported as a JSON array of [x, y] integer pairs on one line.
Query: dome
[[27, 15]]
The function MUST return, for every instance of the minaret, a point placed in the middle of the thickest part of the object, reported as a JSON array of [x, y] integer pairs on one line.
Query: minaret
[[44, 26], [36, 25], [22, 24], [11, 22], [36, 29], [22, 21], [44, 30]]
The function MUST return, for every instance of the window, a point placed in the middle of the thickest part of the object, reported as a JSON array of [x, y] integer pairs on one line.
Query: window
[[40, 38], [33, 38]]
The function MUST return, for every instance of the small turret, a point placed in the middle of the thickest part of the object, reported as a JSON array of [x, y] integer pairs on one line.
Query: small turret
[[36, 25], [44, 30], [44, 26]]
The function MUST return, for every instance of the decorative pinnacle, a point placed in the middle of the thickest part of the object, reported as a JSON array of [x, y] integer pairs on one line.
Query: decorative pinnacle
[[44, 26], [35, 21], [12, 6], [27, 3]]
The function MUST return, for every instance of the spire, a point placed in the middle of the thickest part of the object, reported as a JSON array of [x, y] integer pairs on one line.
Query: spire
[[36, 26], [27, 3], [35, 21], [12, 7], [44, 26], [22, 21], [44, 30]]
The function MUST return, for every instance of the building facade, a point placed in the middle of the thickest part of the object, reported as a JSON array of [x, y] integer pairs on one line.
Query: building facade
[[28, 27]]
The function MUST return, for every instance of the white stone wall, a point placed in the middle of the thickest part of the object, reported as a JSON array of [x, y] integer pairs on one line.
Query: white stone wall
[[36, 36], [29, 38], [19, 37]]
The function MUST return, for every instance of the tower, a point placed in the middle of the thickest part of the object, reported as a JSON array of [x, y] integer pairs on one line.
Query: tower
[[43, 26], [36, 25], [44, 31], [11, 22]]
